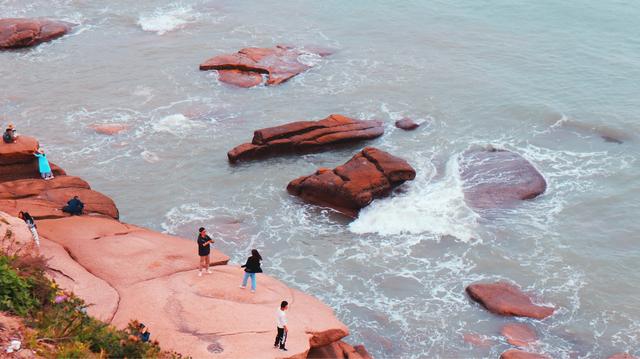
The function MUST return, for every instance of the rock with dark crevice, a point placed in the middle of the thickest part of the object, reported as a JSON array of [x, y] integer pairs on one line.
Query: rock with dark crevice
[[306, 136], [369, 174], [506, 299], [18, 33]]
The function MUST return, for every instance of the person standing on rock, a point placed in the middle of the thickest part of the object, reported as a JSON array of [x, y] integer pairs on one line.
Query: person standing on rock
[[281, 322], [43, 165], [9, 135], [31, 223], [204, 249], [250, 269]]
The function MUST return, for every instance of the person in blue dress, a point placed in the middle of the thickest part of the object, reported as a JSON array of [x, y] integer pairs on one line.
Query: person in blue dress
[[43, 165]]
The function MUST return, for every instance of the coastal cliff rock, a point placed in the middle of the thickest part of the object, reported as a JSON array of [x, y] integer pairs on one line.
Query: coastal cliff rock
[[17, 33], [243, 68], [407, 124], [369, 174], [306, 136], [506, 299], [496, 178], [18, 162], [340, 350], [519, 354], [519, 334]]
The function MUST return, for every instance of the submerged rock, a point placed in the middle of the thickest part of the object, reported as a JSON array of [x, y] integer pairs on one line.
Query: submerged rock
[[407, 124], [17, 33], [622, 356], [306, 136], [279, 63], [506, 299], [519, 334], [109, 128], [369, 174], [519, 354], [496, 178]]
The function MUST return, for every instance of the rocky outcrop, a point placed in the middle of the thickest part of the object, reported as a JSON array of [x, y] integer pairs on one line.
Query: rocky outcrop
[[18, 162], [407, 124], [245, 67], [519, 334], [369, 174], [496, 178], [306, 136], [339, 350], [507, 299], [519, 354], [17, 33]]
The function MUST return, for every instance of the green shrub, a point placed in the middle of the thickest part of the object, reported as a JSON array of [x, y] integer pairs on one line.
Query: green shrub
[[15, 291]]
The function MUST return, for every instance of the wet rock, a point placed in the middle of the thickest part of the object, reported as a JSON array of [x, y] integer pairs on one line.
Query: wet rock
[[622, 356], [498, 178], [340, 350], [519, 354], [109, 129], [200, 311], [478, 340], [17, 33], [369, 174], [240, 78], [279, 63], [306, 136], [407, 124], [506, 299], [518, 334]]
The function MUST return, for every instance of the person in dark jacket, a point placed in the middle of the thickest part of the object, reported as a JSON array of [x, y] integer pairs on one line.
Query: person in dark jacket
[[204, 249], [74, 206], [250, 269], [144, 333], [31, 223], [9, 135]]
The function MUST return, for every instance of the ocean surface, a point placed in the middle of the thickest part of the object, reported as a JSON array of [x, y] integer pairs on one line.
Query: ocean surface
[[555, 81]]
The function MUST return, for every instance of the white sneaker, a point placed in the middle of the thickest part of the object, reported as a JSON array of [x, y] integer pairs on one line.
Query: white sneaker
[[209, 271], [200, 274], [242, 287]]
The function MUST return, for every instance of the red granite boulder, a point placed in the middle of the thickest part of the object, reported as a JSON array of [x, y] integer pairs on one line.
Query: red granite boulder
[[279, 63], [17, 33], [369, 174], [507, 299], [306, 136], [340, 350], [519, 334], [407, 124], [497, 178]]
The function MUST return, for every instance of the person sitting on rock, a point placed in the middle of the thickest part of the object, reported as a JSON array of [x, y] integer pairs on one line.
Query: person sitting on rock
[[31, 223], [204, 248], [9, 135], [43, 165], [281, 323], [250, 269], [144, 333], [74, 206]]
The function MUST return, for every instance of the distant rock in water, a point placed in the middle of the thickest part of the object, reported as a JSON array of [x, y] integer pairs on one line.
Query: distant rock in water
[[17, 33], [244, 68], [520, 354], [622, 356], [369, 174], [506, 299], [407, 124], [306, 136], [519, 334], [496, 178], [109, 129]]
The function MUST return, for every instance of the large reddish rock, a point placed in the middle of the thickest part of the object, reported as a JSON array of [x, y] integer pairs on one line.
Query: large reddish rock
[[24, 170], [339, 350], [306, 136], [20, 151], [369, 174], [16, 33], [507, 299], [279, 63], [210, 316], [519, 354], [407, 124], [519, 334], [496, 178]]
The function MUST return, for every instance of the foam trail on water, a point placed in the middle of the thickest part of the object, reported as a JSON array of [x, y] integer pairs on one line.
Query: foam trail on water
[[429, 206], [177, 124], [167, 19]]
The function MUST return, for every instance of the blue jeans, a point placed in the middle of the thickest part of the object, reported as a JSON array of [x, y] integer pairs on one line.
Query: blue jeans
[[253, 280]]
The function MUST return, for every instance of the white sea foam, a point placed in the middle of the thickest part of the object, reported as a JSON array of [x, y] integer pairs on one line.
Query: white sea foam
[[177, 124], [430, 205], [167, 19]]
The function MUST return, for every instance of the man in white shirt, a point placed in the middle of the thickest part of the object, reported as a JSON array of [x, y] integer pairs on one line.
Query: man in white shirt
[[281, 322]]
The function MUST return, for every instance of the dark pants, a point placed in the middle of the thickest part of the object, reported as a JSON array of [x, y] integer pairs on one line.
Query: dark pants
[[72, 210], [281, 338]]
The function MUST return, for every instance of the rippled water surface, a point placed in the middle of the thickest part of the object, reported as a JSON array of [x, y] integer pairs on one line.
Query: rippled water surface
[[549, 80]]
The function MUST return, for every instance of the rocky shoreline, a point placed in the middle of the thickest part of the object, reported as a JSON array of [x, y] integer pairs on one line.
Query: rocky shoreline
[[129, 272]]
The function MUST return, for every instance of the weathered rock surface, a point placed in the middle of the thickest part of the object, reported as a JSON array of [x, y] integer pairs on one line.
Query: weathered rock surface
[[506, 299], [279, 63], [496, 178], [339, 350], [16, 33], [15, 171], [20, 151], [306, 136], [210, 314], [14, 234], [518, 334], [369, 174], [519, 354], [407, 124], [109, 129]]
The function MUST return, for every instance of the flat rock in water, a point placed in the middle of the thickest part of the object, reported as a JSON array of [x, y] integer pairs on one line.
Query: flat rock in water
[[519, 354], [407, 124], [306, 136], [17, 33], [279, 63], [498, 178], [369, 174], [506, 299], [622, 356], [109, 129], [519, 334]]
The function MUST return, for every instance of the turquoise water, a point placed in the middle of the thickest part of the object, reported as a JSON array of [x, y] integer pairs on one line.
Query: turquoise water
[[547, 79]]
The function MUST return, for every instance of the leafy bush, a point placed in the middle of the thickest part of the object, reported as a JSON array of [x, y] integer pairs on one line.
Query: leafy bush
[[15, 291]]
